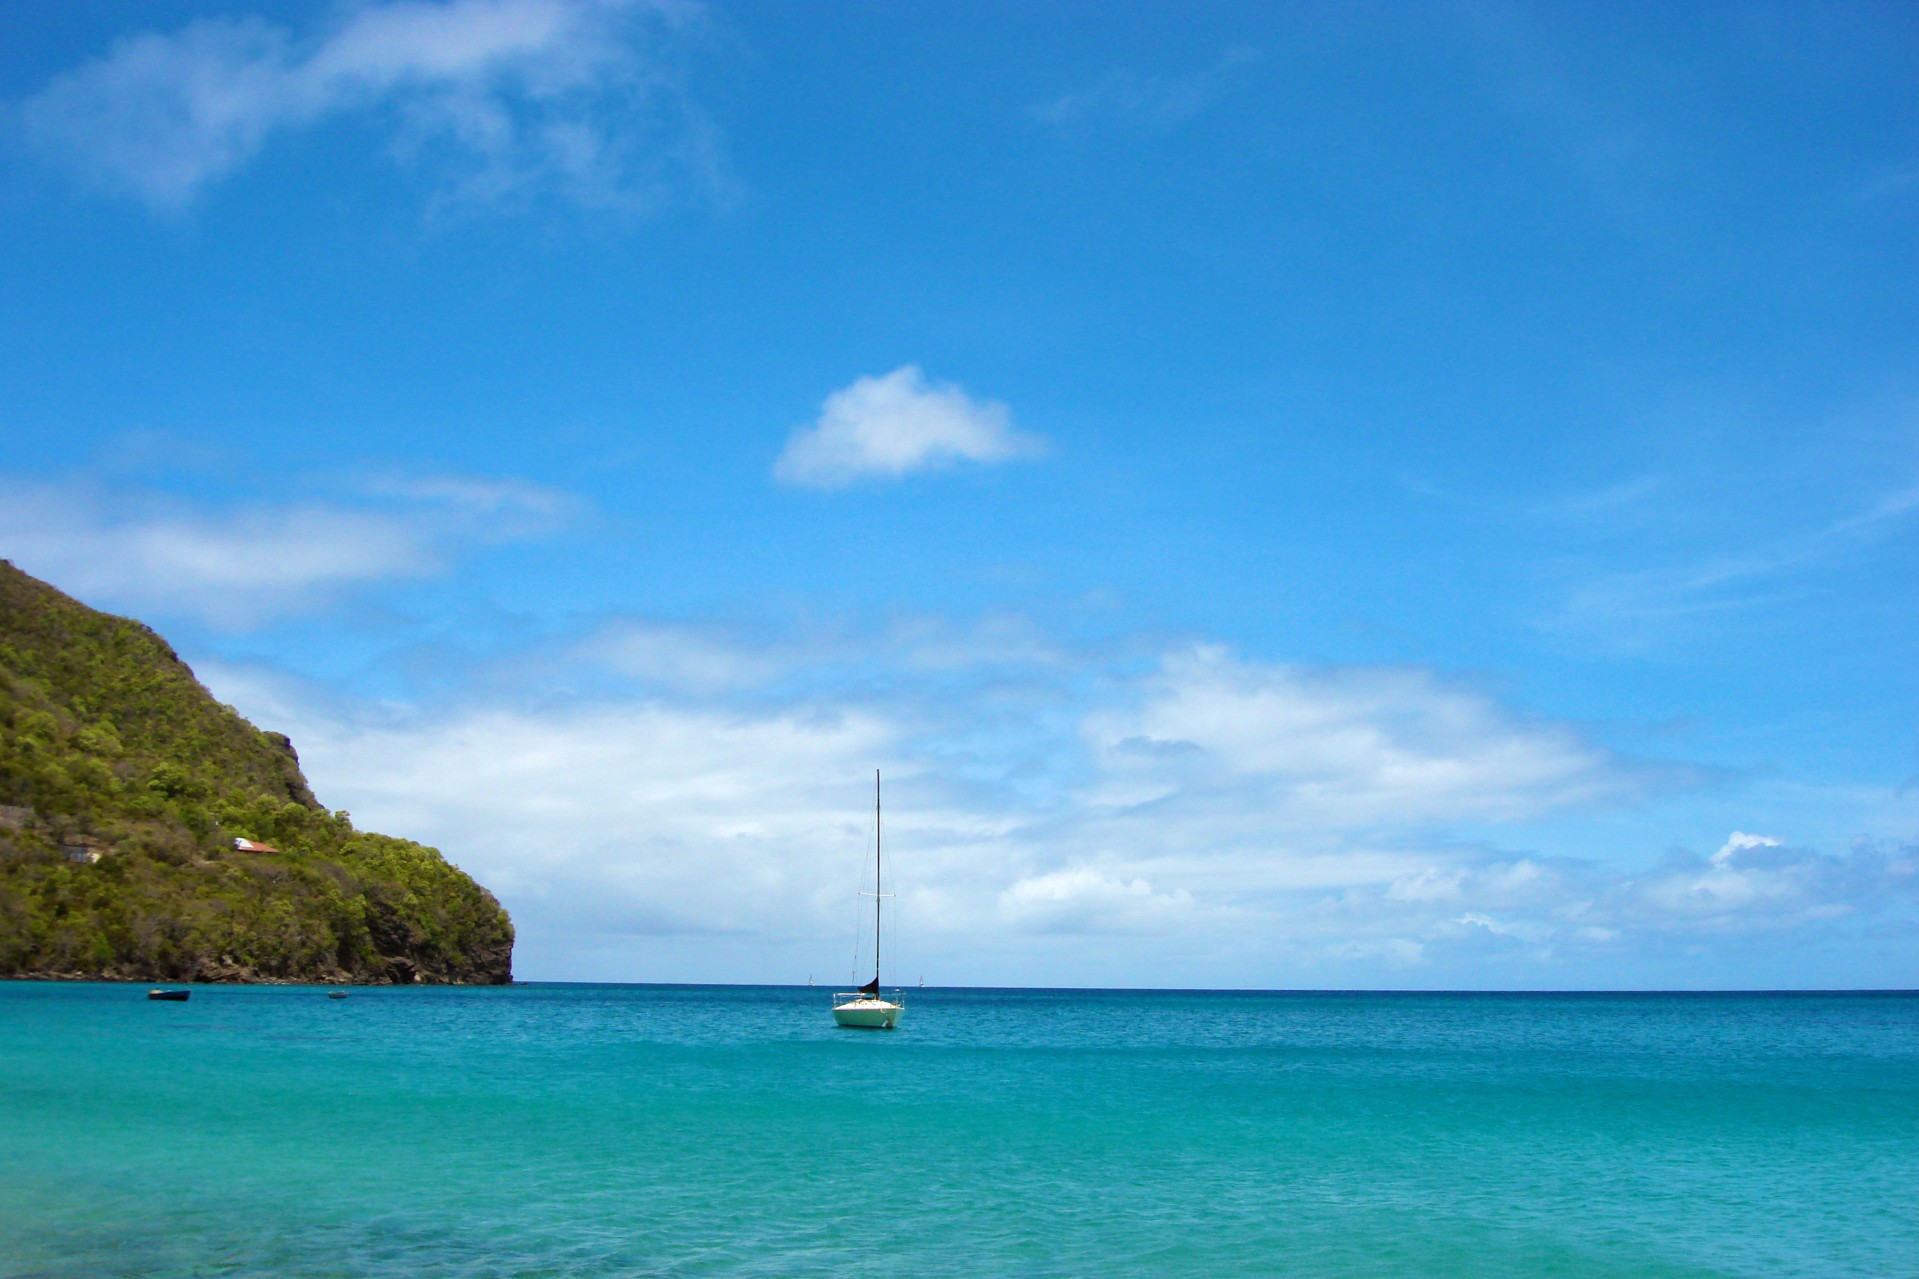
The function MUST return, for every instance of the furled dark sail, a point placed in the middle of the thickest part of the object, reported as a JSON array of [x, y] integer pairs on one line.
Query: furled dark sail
[[871, 988]]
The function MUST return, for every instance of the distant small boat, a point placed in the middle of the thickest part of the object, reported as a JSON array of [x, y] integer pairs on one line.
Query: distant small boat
[[867, 1008], [336, 994], [176, 996]]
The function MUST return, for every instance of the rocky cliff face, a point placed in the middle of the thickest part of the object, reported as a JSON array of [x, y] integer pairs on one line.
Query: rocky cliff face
[[123, 788]]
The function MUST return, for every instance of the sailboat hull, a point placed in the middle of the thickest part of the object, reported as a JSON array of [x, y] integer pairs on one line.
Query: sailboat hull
[[868, 1014]]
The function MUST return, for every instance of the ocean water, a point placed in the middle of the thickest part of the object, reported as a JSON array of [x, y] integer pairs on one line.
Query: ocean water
[[555, 1130]]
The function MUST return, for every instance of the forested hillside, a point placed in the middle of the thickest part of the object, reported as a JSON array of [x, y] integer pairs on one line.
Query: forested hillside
[[123, 787]]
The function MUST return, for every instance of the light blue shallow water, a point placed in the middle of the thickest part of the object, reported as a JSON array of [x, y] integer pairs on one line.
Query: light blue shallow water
[[610, 1130]]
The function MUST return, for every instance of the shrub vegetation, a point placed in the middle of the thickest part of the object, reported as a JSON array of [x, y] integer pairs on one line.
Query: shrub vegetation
[[110, 746]]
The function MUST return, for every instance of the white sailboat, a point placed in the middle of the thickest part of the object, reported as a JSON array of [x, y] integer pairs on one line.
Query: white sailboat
[[867, 1008]]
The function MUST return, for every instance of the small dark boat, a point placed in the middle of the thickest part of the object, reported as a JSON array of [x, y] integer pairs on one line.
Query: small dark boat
[[336, 994], [177, 996]]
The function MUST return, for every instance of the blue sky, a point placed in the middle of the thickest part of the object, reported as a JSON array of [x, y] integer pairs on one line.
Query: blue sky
[[1406, 496]]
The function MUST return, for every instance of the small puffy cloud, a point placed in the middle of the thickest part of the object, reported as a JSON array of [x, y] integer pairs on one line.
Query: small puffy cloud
[[516, 93], [887, 427], [236, 564]]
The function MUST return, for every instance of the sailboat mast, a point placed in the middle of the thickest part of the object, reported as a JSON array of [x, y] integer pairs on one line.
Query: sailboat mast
[[876, 882]]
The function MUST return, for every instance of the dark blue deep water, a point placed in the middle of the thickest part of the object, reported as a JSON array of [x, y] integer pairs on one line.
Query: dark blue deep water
[[639, 1130]]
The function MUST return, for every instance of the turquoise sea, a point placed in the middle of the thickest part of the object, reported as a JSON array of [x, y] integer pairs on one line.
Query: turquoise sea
[[558, 1130]]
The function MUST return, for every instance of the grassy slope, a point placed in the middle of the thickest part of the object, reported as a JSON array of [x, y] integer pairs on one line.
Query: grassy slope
[[105, 732]]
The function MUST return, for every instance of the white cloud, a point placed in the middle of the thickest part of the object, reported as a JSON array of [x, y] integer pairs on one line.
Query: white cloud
[[241, 562], [890, 426], [1738, 842], [1347, 746], [518, 94], [1752, 884], [1292, 841], [1086, 899], [616, 819], [1757, 881]]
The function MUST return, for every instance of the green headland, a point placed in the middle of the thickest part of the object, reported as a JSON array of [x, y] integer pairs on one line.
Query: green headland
[[128, 797]]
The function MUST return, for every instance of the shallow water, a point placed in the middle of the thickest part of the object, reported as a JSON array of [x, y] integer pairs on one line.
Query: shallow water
[[556, 1130]]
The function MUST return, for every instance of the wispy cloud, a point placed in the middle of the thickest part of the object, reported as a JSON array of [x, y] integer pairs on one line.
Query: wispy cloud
[[1634, 609], [681, 658], [1606, 502], [573, 96], [1601, 130], [670, 657], [1878, 517], [1890, 188], [1156, 103], [241, 562], [887, 427]]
